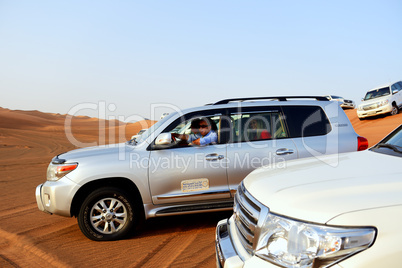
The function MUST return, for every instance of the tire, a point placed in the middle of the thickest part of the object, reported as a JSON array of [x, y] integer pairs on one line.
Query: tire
[[115, 221], [394, 110]]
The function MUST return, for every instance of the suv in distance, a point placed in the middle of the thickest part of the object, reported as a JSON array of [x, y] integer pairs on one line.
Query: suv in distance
[[113, 189], [345, 104], [338, 211], [381, 100]]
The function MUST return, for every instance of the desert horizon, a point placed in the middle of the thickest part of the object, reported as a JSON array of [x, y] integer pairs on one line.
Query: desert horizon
[[31, 238]]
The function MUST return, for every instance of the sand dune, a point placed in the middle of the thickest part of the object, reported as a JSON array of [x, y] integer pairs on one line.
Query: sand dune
[[30, 238]]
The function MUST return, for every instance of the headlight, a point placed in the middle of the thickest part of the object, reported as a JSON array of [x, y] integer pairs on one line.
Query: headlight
[[360, 108], [382, 103], [57, 171], [292, 243]]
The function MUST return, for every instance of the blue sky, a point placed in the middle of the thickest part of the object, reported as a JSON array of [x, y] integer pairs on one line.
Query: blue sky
[[132, 56]]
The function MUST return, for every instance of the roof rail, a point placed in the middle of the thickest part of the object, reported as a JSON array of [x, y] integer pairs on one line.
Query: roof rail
[[280, 98]]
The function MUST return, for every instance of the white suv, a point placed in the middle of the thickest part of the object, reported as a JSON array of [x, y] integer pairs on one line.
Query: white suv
[[381, 100], [336, 211], [344, 103]]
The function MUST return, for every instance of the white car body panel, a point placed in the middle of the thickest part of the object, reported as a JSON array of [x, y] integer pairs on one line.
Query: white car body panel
[[364, 181], [386, 250]]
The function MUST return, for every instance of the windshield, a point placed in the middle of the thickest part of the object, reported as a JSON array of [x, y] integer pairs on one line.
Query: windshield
[[376, 93], [396, 139], [155, 126], [392, 144], [336, 97]]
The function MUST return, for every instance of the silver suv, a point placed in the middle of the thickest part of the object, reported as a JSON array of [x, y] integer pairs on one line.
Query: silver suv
[[113, 189]]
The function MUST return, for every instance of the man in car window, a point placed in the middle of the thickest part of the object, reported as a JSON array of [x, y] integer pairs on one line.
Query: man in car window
[[206, 133], [195, 129]]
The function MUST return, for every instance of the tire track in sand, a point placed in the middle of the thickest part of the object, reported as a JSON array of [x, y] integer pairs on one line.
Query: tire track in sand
[[19, 251], [168, 251], [5, 262], [17, 210], [50, 230]]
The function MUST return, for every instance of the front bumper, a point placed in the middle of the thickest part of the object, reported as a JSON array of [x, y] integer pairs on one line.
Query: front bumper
[[348, 105], [38, 194], [56, 197], [373, 112], [224, 248]]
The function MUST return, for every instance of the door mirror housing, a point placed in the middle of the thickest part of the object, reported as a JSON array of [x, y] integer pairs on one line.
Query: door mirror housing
[[163, 139]]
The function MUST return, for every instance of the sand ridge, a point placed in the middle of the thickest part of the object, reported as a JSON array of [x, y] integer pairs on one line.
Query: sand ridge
[[30, 238]]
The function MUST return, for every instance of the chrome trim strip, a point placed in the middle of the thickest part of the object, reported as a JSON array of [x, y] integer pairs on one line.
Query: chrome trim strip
[[162, 197], [249, 238], [248, 226], [247, 207], [152, 210], [247, 223]]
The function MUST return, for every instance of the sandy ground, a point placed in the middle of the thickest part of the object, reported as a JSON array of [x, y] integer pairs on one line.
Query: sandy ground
[[30, 238]]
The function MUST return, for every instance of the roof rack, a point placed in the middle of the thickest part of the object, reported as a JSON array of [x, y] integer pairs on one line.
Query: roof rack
[[280, 98]]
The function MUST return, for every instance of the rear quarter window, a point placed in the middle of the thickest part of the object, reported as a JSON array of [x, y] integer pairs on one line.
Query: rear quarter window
[[306, 121]]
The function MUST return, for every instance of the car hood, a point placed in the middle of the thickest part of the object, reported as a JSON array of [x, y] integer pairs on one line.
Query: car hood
[[320, 189], [77, 154]]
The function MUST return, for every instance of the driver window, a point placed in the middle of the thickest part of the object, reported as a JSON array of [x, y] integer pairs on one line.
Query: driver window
[[395, 88], [197, 131]]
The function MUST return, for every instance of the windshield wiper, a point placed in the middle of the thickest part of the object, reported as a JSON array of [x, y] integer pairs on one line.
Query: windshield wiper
[[390, 146]]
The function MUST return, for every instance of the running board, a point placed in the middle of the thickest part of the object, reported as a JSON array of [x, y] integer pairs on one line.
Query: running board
[[182, 209]]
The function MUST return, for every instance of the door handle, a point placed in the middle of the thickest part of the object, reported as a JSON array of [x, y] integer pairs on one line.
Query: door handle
[[284, 151], [214, 157]]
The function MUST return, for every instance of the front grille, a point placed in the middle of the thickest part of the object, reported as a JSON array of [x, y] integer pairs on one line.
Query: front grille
[[246, 213], [348, 101], [370, 107]]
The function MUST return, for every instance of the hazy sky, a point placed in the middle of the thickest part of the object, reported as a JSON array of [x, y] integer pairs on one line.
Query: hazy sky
[[128, 57]]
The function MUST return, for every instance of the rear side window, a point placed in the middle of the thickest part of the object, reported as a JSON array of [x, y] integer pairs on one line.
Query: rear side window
[[306, 121], [255, 126]]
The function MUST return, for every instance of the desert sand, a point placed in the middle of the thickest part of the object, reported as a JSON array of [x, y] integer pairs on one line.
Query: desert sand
[[30, 238]]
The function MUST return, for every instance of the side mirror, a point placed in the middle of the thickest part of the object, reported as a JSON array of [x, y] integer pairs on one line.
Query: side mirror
[[163, 139]]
